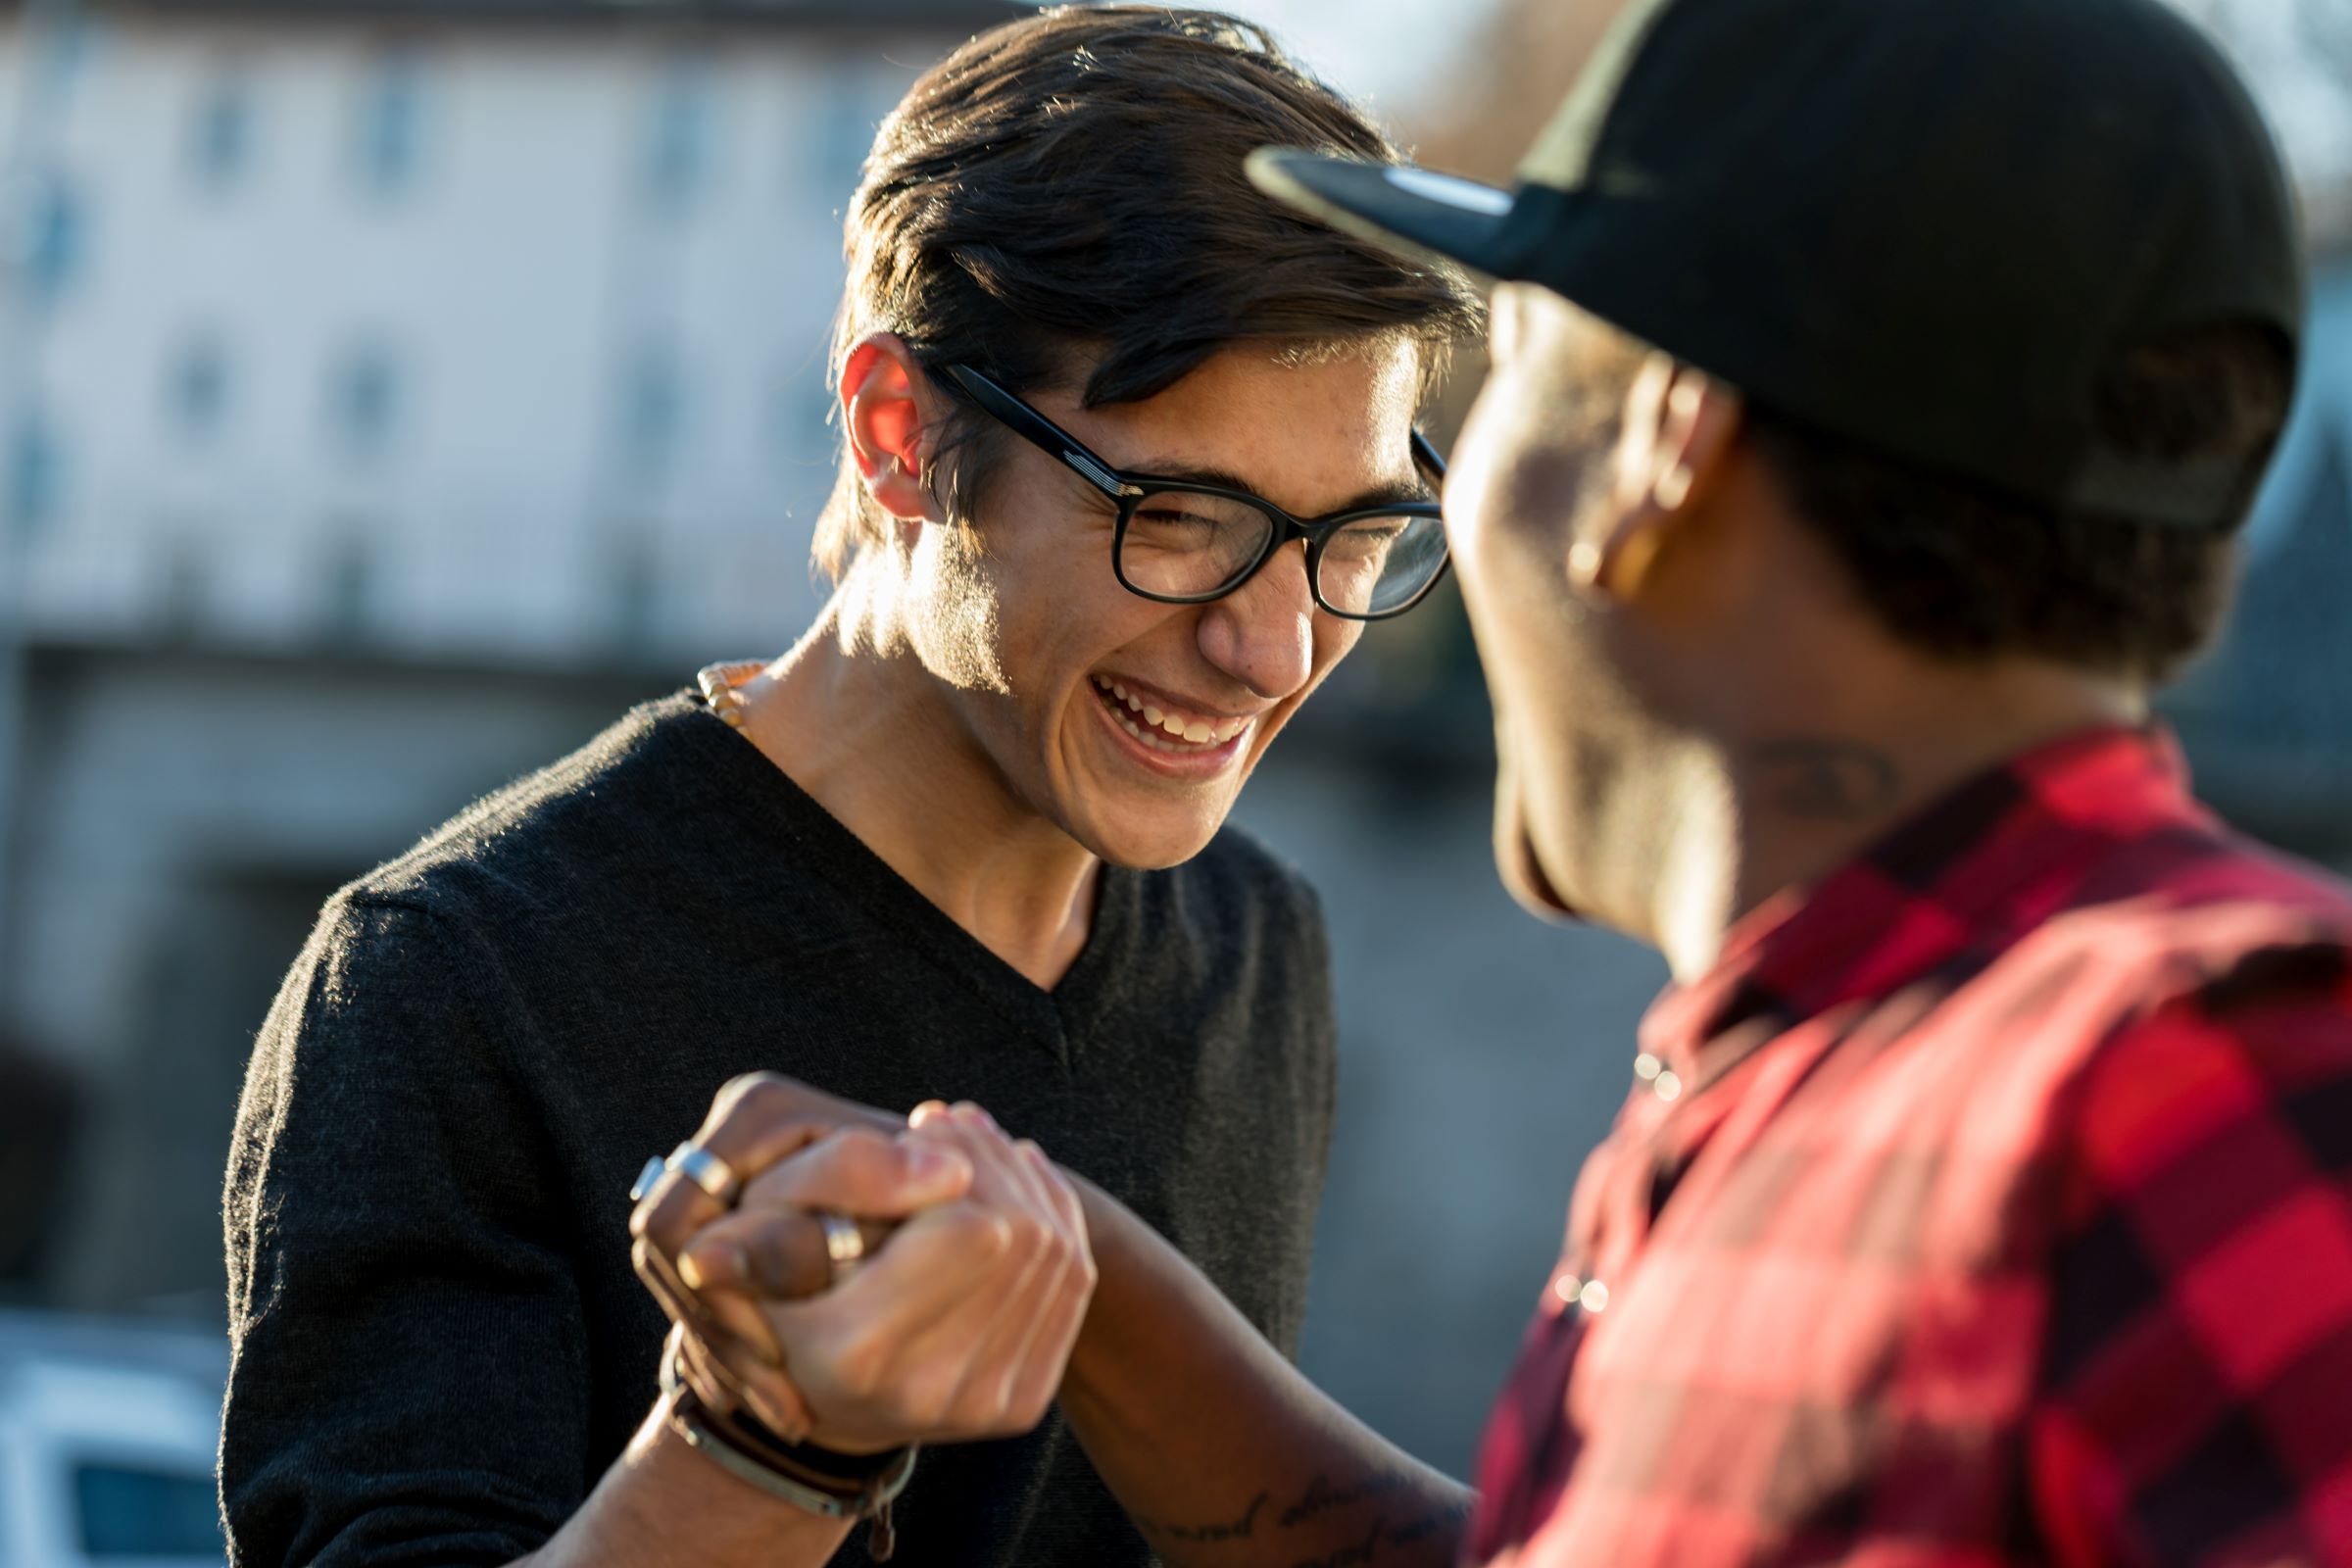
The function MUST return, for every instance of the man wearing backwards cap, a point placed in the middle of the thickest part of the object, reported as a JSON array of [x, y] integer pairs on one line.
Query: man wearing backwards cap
[[1878, 386]]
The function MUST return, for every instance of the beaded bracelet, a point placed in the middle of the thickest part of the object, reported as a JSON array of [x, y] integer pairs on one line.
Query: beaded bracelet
[[721, 686]]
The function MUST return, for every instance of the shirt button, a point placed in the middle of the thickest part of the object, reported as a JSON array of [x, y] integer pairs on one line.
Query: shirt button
[[1591, 1295], [1664, 1082]]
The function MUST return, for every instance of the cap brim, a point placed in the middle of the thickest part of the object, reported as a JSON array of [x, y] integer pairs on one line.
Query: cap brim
[[1413, 209]]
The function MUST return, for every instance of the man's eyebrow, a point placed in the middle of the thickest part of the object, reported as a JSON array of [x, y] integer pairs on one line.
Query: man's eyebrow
[[1387, 495]]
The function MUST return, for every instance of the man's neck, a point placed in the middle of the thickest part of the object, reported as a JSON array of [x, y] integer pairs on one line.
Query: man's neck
[[858, 723], [1784, 804]]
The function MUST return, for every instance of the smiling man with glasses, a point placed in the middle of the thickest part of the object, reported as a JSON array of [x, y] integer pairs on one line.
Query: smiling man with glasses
[[1188, 539], [1128, 459]]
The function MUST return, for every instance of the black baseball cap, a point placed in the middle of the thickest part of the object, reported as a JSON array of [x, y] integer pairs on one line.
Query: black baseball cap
[[1932, 226]]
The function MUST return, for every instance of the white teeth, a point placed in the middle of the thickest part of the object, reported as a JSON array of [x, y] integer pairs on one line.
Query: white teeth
[[1167, 732]]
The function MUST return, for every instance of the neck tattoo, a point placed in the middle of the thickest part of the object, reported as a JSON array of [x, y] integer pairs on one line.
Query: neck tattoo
[[1826, 780]]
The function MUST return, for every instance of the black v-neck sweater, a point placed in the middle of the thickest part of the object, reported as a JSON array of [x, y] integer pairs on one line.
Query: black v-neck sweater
[[439, 1344]]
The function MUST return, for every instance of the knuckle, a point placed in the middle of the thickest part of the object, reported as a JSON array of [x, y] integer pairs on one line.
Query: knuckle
[[864, 1157], [976, 1231], [655, 1220], [1029, 1407], [749, 1087]]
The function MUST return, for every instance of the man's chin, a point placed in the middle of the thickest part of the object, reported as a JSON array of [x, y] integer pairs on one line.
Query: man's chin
[[1522, 872], [1148, 846]]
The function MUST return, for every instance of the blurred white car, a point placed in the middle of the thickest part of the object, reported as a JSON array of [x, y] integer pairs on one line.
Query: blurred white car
[[106, 1436]]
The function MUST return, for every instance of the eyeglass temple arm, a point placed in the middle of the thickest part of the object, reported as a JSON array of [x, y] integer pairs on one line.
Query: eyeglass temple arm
[[1035, 428], [1427, 453]]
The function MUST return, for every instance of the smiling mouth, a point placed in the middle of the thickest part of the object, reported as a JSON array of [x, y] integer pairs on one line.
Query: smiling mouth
[[1181, 734]]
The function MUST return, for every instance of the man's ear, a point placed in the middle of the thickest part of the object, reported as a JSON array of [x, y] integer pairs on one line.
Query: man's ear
[[889, 438], [1676, 432]]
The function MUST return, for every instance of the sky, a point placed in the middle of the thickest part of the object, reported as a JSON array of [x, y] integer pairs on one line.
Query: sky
[[2309, 104], [1389, 53], [1395, 52]]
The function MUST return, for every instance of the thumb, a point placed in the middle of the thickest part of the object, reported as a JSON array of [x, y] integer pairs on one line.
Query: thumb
[[771, 1243], [778, 1253], [864, 1173]]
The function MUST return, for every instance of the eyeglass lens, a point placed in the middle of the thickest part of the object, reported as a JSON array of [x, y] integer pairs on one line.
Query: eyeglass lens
[[1186, 545]]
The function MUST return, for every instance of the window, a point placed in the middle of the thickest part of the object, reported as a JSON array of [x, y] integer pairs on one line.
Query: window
[[35, 477], [187, 578], [851, 110], [196, 387], [635, 586], [390, 131], [679, 135], [220, 137], [43, 235], [805, 431], [348, 587], [652, 407], [131, 1510], [364, 401]]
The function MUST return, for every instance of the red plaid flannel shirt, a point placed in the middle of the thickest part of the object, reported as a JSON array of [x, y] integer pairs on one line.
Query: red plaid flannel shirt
[[1990, 1203]]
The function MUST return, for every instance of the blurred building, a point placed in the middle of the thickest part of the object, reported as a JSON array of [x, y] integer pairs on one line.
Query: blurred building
[[388, 394]]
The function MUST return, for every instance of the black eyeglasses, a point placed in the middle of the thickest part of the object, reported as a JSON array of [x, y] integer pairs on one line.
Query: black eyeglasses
[[1183, 543]]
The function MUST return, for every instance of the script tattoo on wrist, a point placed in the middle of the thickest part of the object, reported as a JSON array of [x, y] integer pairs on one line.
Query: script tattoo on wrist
[[1826, 779], [1242, 1527], [1322, 1496]]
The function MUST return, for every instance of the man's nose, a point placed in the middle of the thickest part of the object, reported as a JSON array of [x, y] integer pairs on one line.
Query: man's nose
[[1263, 633]]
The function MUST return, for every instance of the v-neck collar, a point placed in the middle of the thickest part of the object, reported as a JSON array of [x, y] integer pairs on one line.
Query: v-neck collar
[[763, 799]]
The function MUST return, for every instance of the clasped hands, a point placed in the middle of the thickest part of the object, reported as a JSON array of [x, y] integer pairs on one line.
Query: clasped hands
[[955, 1325]]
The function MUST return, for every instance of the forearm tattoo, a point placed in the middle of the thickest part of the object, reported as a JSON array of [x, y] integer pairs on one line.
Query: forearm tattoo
[[1390, 1520]]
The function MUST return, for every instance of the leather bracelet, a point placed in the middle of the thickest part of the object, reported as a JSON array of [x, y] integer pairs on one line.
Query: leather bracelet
[[834, 1466], [758, 1464]]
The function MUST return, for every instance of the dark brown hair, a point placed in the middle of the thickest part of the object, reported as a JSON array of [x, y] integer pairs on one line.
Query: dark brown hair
[[1968, 573], [1065, 192]]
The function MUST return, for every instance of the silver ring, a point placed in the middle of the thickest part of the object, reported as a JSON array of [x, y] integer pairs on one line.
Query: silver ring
[[655, 1169], [708, 1171], [845, 1244]]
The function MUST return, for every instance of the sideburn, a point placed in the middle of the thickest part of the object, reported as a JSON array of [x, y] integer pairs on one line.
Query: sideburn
[[951, 610]]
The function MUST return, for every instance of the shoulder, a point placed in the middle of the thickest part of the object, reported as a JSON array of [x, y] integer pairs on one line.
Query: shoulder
[[2240, 1053], [2203, 1264], [2196, 919], [535, 842], [2218, 1036]]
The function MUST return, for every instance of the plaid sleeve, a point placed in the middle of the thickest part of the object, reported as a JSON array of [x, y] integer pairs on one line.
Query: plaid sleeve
[[2197, 1396]]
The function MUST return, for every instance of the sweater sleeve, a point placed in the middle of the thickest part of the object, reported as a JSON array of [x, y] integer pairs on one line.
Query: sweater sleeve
[[408, 1371]]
